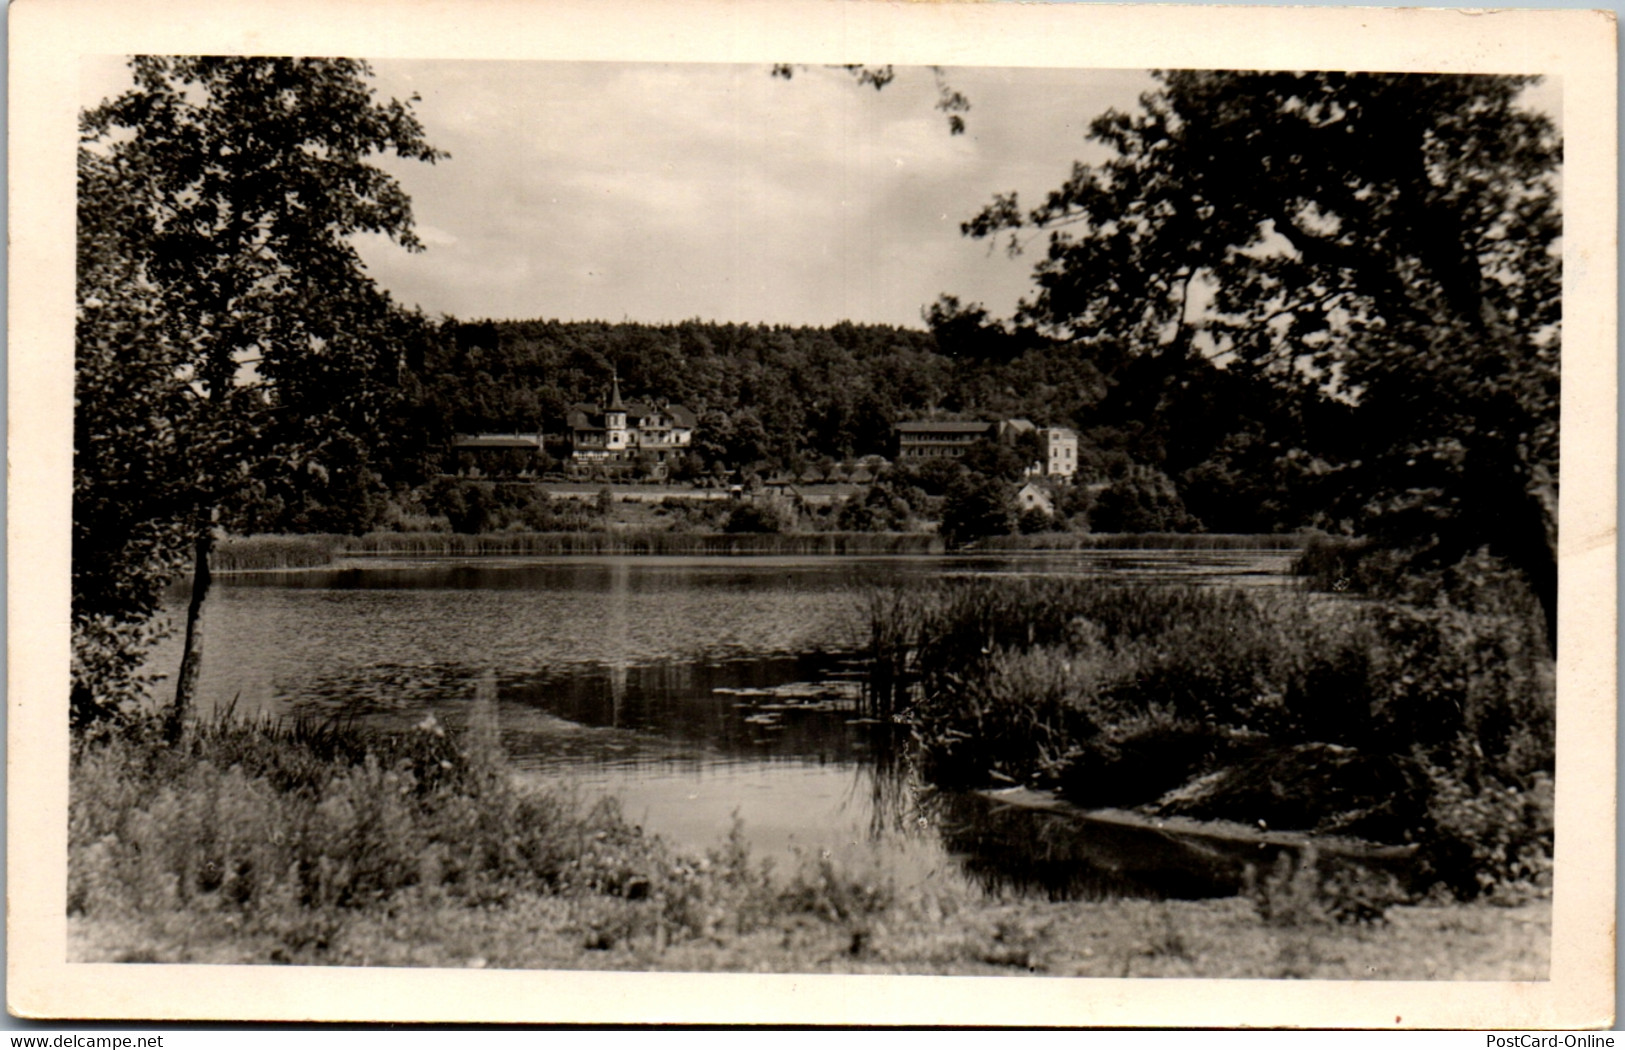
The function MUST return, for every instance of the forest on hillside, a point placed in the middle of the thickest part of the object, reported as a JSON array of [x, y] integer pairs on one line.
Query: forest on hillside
[[1244, 453], [1284, 301]]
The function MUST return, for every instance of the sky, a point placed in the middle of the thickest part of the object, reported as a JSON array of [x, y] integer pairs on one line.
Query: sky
[[664, 192]]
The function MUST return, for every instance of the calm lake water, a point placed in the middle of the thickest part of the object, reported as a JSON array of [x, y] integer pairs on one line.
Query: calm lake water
[[695, 690]]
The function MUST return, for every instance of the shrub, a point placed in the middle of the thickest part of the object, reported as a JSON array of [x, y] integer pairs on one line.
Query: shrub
[[265, 820], [760, 515], [1303, 888], [1427, 723], [1495, 840]]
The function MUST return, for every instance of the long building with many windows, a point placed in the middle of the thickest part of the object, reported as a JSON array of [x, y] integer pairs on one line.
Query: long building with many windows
[[936, 440], [950, 439]]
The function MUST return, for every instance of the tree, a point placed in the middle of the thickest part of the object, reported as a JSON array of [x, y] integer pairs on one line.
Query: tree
[[1143, 500], [976, 507], [132, 411], [226, 190], [1391, 237], [995, 458]]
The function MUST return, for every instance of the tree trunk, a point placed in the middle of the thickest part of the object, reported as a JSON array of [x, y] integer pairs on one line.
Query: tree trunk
[[1543, 568], [1531, 545], [192, 650]]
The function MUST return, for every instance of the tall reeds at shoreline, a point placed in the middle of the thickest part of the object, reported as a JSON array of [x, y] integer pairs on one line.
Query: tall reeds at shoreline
[[1400, 723], [641, 542], [269, 553], [1149, 541], [280, 553], [272, 553]]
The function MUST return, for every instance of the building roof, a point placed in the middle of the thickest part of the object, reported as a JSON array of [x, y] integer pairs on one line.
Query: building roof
[[944, 427], [584, 416], [1033, 493], [524, 441]]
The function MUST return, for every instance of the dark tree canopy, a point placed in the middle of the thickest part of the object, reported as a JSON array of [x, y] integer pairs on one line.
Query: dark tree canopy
[[229, 338], [1392, 239]]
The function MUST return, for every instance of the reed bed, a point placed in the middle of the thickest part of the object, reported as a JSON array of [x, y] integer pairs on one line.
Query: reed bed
[[642, 542], [266, 553], [1399, 723], [1158, 541]]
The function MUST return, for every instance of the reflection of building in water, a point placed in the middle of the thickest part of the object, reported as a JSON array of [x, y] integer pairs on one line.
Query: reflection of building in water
[[484, 722], [619, 641]]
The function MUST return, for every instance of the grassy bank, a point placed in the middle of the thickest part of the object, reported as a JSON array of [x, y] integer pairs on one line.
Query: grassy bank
[[1402, 724], [255, 843]]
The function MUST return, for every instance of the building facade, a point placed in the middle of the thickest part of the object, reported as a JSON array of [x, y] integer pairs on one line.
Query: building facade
[[920, 440], [626, 431], [495, 455], [1058, 452], [939, 440]]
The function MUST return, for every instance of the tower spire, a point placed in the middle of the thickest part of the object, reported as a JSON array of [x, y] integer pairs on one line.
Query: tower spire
[[615, 397]]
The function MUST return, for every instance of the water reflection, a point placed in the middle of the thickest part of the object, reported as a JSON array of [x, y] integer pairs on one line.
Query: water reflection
[[695, 690], [1064, 858]]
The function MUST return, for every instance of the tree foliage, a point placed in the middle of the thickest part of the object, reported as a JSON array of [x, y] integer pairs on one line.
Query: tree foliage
[[976, 507], [1390, 239], [230, 344]]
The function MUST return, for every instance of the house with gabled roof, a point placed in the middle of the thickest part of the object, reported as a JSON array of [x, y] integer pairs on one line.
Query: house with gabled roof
[[621, 433]]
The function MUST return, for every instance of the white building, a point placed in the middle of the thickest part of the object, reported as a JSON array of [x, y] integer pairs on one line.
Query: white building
[[1058, 450]]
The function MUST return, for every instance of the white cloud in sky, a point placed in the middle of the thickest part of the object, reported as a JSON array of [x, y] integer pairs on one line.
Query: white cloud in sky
[[659, 192]]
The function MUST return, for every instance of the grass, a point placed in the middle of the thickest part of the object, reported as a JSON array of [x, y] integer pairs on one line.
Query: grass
[[306, 844], [260, 553], [264, 553], [291, 842], [631, 541]]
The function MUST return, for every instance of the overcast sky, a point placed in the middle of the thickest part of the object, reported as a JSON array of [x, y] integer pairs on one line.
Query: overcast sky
[[664, 192], [661, 192]]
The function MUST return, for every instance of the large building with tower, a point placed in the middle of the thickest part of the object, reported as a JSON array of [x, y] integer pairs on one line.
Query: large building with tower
[[625, 431]]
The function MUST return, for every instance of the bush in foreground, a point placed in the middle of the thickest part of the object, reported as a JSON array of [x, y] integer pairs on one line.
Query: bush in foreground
[[285, 835], [1399, 721]]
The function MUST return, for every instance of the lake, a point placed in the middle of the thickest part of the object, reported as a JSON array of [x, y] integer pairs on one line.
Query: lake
[[696, 690]]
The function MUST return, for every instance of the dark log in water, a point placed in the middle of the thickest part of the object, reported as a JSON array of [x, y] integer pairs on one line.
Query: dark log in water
[[1030, 839]]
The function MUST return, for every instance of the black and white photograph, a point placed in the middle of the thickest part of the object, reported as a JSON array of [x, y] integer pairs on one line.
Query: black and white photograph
[[897, 513]]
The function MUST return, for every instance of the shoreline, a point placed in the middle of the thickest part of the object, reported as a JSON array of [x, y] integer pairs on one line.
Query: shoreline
[[588, 892], [238, 554]]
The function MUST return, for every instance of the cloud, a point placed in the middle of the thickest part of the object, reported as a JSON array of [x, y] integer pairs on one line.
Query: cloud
[[667, 191]]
